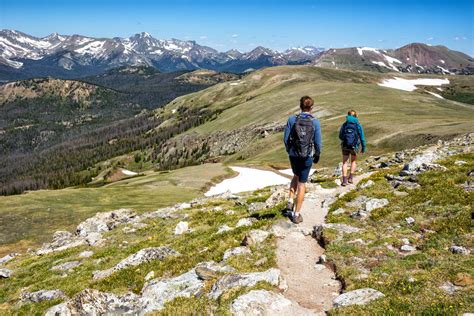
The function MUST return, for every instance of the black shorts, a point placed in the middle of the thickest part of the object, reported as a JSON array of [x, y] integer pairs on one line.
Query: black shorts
[[301, 167], [348, 151]]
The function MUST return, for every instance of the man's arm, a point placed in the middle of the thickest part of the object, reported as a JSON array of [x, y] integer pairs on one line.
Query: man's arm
[[286, 134], [362, 137], [318, 143]]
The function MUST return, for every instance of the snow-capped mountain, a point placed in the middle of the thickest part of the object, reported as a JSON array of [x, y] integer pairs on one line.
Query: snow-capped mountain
[[23, 55]]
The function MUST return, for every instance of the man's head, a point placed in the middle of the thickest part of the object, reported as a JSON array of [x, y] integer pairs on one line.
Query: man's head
[[352, 113], [306, 104]]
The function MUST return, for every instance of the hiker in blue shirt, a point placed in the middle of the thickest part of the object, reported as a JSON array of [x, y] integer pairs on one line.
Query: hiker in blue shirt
[[303, 144], [352, 137]]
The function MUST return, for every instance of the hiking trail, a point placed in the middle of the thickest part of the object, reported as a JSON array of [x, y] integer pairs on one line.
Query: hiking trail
[[313, 286]]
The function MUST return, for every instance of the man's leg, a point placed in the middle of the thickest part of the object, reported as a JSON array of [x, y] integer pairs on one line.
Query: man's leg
[[353, 167], [293, 190], [300, 197], [345, 158]]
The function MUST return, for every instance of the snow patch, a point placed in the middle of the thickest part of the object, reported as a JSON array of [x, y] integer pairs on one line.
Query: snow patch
[[410, 84], [128, 172], [361, 50], [435, 95], [248, 179]]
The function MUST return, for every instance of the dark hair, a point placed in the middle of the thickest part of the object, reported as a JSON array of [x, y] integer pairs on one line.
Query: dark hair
[[306, 103], [352, 113]]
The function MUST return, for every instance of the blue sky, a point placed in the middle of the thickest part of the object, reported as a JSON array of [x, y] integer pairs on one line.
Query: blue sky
[[244, 24]]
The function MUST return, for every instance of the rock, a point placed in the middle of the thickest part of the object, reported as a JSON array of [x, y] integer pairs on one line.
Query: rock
[[410, 220], [322, 259], [339, 211], [211, 270], [358, 201], [237, 251], [277, 197], [357, 297], [183, 206], [400, 193], [468, 186], [460, 162], [42, 295], [367, 184], [405, 241], [62, 240], [181, 228], [66, 266], [255, 237], [245, 222], [459, 250], [407, 248], [150, 275], [86, 254], [8, 257], [256, 206], [156, 293], [230, 212], [449, 287], [103, 222], [262, 302], [94, 302], [217, 208], [373, 204], [318, 230], [142, 256], [421, 163], [271, 276], [94, 239], [338, 170], [5, 273], [224, 228]]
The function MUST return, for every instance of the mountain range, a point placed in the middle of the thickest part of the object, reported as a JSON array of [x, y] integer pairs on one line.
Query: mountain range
[[24, 56]]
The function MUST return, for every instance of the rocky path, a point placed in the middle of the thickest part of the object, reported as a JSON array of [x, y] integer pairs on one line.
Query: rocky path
[[313, 286]]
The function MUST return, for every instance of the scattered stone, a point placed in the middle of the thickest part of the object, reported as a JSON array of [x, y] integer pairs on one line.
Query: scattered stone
[[142, 256], [86, 254], [156, 293], [271, 276], [357, 241], [400, 193], [367, 184], [181, 228], [217, 208], [357, 297], [183, 206], [255, 237], [211, 270], [468, 186], [410, 220], [338, 170], [66, 266], [94, 302], [8, 257], [224, 228], [230, 212], [358, 201], [245, 222], [103, 222], [277, 197], [449, 287], [459, 250], [261, 261], [237, 251], [460, 162], [407, 248], [256, 206], [150, 275], [5, 273], [339, 211], [42, 295], [262, 302], [411, 279], [318, 230], [322, 259], [421, 163], [373, 204], [405, 241]]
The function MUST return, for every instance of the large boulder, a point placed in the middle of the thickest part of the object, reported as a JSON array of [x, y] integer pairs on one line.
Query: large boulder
[[262, 302], [8, 257], [42, 295], [357, 297], [211, 270], [94, 302], [245, 222], [157, 292], [278, 196], [66, 266], [103, 222], [237, 251], [255, 237], [142, 256], [256, 206], [62, 240], [181, 228], [229, 281]]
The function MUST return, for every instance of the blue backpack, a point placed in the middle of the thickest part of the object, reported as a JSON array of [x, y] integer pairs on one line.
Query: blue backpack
[[350, 137]]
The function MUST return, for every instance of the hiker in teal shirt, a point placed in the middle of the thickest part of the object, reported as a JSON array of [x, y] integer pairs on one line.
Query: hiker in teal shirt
[[352, 138]]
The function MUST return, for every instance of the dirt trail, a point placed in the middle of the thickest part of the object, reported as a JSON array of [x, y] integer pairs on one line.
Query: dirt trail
[[311, 285]]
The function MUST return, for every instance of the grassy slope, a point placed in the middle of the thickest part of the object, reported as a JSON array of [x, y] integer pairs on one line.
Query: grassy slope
[[202, 244], [393, 119], [31, 218], [441, 206]]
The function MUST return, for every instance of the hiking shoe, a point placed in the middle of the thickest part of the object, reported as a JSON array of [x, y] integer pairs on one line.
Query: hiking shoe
[[349, 179], [344, 181], [288, 210], [297, 219]]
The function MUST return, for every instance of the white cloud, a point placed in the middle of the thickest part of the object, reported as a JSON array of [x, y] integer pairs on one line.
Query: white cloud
[[203, 37], [460, 38], [235, 35], [430, 38]]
